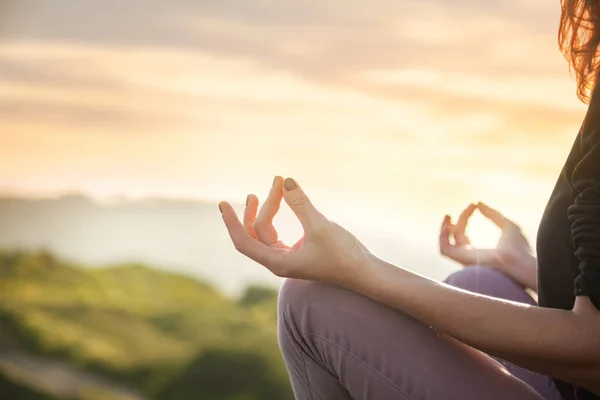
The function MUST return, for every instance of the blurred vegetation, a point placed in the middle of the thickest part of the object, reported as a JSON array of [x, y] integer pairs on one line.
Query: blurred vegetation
[[168, 336], [14, 390]]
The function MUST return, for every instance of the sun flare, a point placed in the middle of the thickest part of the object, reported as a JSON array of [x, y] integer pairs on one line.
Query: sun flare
[[482, 232]]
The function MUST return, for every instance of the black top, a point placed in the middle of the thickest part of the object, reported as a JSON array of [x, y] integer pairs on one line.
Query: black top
[[568, 243]]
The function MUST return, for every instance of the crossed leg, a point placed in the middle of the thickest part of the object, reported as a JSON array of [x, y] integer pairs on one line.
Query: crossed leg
[[339, 345]]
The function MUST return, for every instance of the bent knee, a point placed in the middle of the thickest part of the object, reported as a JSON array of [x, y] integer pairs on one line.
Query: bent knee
[[303, 308], [296, 294], [292, 291], [489, 281], [314, 307], [472, 277]]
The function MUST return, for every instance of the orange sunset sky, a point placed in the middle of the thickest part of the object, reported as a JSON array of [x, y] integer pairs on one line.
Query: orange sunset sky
[[390, 113]]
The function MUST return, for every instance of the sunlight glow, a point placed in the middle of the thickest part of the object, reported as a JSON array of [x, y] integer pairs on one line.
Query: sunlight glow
[[482, 232], [389, 121]]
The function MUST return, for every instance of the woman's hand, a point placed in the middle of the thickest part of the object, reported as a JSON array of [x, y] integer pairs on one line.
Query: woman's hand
[[512, 255], [327, 252]]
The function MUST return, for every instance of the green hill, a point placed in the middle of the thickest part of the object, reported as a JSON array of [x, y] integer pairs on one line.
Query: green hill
[[143, 327]]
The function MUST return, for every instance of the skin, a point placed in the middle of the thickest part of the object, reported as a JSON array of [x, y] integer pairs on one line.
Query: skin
[[558, 343], [512, 255]]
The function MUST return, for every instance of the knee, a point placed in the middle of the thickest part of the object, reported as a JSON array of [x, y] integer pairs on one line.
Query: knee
[[301, 310], [296, 295], [490, 282], [475, 277], [291, 293], [307, 307]]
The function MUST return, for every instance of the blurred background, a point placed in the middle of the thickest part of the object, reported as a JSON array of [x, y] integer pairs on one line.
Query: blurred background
[[122, 124]]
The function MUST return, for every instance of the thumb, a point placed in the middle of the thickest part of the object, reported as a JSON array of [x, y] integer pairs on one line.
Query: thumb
[[300, 204]]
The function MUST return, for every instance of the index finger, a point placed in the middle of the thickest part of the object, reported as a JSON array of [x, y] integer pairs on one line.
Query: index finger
[[445, 232], [461, 224], [270, 208], [250, 214], [493, 215]]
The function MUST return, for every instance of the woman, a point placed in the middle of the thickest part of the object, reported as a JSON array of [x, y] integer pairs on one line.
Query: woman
[[352, 326]]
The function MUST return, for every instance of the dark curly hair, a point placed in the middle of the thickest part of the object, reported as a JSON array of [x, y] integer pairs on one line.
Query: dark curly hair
[[579, 39]]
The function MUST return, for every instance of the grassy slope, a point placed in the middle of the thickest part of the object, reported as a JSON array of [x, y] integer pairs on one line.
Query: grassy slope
[[13, 390], [130, 322]]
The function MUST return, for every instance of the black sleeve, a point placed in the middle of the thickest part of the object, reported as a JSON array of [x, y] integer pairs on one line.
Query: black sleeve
[[585, 215]]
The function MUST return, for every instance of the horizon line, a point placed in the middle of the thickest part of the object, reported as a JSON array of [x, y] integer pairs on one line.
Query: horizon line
[[113, 198]]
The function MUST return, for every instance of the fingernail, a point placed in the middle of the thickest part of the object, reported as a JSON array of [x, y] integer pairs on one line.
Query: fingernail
[[247, 200], [275, 181], [290, 184], [220, 209]]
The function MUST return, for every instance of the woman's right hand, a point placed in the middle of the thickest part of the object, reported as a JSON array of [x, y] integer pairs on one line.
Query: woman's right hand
[[326, 252], [512, 255]]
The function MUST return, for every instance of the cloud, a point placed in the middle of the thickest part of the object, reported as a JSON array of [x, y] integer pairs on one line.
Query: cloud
[[320, 41], [333, 72], [309, 37]]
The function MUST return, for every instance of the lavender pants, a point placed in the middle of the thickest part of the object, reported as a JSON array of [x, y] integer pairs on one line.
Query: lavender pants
[[339, 345]]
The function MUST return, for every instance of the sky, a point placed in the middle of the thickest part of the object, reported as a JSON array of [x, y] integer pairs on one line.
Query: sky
[[389, 113]]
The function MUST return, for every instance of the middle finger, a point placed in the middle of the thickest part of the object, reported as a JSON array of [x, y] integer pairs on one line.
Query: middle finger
[[461, 225], [263, 226], [250, 215]]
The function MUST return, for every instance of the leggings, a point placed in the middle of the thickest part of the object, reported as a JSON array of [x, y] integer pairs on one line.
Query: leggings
[[339, 345]]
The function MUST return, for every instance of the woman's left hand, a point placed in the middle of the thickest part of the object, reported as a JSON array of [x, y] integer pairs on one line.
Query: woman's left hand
[[327, 252], [512, 255], [512, 250]]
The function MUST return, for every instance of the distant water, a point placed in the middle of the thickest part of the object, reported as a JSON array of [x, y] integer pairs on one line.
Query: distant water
[[183, 236]]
